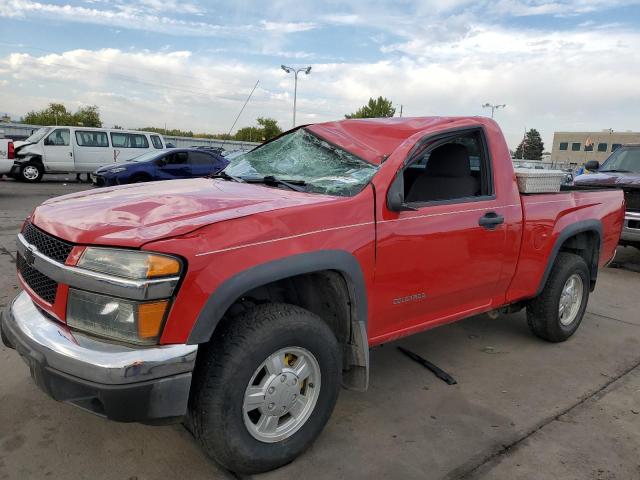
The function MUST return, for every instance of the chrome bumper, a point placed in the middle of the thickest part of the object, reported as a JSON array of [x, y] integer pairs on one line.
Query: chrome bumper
[[120, 382], [631, 229]]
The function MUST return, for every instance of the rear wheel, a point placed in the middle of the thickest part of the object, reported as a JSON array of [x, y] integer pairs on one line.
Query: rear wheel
[[556, 313], [265, 387], [31, 172]]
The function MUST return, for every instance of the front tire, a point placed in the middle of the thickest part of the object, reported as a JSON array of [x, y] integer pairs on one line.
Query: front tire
[[557, 312], [265, 387], [31, 172]]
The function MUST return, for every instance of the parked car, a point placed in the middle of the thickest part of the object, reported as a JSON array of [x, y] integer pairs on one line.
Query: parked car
[[244, 302], [621, 170], [164, 165], [7, 153], [78, 150]]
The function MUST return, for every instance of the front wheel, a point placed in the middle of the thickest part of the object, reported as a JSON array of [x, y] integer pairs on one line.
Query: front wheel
[[31, 172], [557, 312], [265, 387]]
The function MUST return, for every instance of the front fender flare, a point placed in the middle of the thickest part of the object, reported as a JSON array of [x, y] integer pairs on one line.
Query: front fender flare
[[235, 287]]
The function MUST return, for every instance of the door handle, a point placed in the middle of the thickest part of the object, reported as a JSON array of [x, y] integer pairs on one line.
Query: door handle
[[490, 220]]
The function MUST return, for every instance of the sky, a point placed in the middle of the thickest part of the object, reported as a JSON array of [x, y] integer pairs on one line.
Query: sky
[[558, 65]]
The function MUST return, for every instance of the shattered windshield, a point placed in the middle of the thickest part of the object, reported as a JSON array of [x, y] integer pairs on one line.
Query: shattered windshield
[[301, 156]]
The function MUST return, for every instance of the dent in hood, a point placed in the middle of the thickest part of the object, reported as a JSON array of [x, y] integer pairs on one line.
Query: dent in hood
[[132, 215]]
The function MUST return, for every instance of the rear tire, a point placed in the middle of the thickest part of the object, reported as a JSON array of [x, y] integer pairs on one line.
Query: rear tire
[[31, 172], [237, 389], [557, 312]]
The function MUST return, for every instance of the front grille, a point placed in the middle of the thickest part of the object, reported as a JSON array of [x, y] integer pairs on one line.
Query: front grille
[[46, 244], [632, 197], [42, 285]]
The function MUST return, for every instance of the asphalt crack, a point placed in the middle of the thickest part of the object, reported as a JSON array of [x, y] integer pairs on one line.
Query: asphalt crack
[[466, 471], [4, 251], [613, 318]]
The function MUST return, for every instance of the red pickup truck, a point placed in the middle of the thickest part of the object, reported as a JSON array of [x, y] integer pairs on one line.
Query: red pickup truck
[[239, 304]]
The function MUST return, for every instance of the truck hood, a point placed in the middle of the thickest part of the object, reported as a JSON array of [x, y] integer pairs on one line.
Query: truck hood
[[132, 215], [612, 179]]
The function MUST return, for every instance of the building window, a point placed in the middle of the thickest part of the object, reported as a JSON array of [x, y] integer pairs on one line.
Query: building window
[[575, 147], [564, 145], [602, 147], [588, 148], [615, 146]]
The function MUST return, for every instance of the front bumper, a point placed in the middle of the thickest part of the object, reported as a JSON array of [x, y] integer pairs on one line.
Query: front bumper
[[122, 383], [631, 230]]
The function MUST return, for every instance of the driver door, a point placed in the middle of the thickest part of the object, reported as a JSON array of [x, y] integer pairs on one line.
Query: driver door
[[58, 152]]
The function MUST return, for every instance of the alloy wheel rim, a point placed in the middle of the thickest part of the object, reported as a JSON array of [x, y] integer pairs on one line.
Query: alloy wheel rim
[[281, 395], [30, 173], [570, 299]]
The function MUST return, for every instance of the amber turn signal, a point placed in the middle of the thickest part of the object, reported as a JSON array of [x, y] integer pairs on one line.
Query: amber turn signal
[[161, 266], [150, 317]]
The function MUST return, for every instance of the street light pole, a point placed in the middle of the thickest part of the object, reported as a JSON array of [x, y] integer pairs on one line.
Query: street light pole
[[295, 71], [493, 107]]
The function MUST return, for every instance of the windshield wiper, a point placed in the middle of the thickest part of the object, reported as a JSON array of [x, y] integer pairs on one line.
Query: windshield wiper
[[225, 176], [616, 170], [296, 185]]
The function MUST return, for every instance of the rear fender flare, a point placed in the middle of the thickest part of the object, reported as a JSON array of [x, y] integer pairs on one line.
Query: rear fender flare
[[566, 233]]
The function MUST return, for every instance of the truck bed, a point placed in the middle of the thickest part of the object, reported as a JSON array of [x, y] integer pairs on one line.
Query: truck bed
[[547, 216]]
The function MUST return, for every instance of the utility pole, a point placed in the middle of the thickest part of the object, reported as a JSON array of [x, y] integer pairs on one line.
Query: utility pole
[[493, 107], [295, 72], [401, 110]]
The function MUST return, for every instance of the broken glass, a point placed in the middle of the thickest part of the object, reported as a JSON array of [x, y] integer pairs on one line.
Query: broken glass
[[303, 156]]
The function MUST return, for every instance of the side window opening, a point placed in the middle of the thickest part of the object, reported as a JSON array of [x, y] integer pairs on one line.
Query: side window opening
[[157, 143], [59, 137], [456, 168]]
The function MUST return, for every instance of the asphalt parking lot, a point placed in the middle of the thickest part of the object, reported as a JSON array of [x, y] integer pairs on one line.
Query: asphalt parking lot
[[521, 409]]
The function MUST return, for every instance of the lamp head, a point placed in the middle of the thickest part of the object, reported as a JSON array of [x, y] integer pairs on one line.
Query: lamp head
[[307, 70]]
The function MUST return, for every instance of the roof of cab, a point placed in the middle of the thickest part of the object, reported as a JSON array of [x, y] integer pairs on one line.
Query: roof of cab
[[374, 139]]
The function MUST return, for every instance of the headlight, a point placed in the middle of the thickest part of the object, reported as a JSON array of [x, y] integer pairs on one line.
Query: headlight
[[116, 318], [133, 264], [117, 170]]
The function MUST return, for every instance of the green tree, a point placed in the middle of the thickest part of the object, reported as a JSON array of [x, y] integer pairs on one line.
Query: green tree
[[54, 114], [88, 116], [57, 114], [375, 108], [531, 147], [267, 129], [270, 127], [250, 134]]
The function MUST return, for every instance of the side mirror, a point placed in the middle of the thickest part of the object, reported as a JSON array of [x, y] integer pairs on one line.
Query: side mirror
[[162, 162], [592, 165], [395, 196]]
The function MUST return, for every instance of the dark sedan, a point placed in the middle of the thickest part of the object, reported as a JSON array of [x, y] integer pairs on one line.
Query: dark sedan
[[163, 165]]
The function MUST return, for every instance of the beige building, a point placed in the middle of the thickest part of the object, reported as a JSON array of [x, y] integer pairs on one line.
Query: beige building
[[580, 147]]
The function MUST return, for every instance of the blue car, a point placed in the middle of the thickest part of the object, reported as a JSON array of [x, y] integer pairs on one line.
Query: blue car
[[163, 165]]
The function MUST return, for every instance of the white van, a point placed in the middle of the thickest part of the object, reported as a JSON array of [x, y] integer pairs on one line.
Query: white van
[[78, 150]]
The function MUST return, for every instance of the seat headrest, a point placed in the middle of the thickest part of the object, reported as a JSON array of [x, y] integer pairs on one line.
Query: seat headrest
[[450, 160]]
